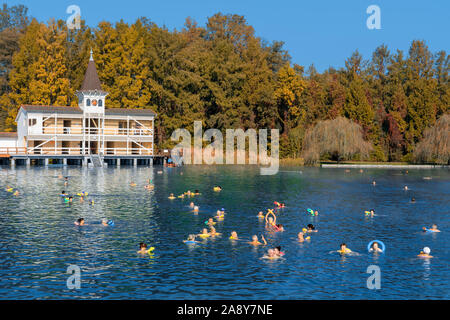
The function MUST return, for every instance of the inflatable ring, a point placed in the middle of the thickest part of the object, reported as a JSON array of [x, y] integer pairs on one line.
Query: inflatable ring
[[430, 230], [149, 251], [190, 241], [369, 246], [203, 235]]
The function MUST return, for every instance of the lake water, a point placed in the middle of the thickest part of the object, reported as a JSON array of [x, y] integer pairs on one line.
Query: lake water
[[38, 238]]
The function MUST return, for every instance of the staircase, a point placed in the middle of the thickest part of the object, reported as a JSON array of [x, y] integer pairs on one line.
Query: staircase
[[96, 160]]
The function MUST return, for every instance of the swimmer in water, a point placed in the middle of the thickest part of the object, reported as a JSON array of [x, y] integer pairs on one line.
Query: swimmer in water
[[301, 237], [196, 192], [63, 193], [255, 241], [234, 236], [405, 187], [80, 222], [16, 193], [278, 251], [210, 222], [280, 227], [212, 232], [270, 255], [171, 197], [370, 213], [343, 249], [220, 215], [191, 205], [91, 202], [413, 200], [375, 248], [432, 229], [311, 228], [188, 193], [374, 183], [425, 253], [204, 233], [260, 215], [142, 248], [132, 184], [191, 238], [196, 209]]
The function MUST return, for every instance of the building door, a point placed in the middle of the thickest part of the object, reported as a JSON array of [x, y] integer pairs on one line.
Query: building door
[[65, 146], [67, 124], [109, 147], [38, 150], [134, 148], [94, 147]]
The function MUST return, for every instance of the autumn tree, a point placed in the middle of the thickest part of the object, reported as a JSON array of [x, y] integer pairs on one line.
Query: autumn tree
[[341, 139]]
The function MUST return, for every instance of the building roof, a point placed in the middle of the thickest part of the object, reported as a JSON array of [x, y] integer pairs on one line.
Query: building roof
[[91, 81], [124, 111], [52, 109], [8, 135], [77, 110]]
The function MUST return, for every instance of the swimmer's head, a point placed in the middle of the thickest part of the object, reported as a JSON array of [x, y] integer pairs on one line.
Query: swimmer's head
[[80, 221], [255, 238], [343, 246], [213, 230], [271, 252], [426, 250], [372, 211], [142, 246], [270, 219], [300, 234], [191, 204], [196, 208], [205, 231], [375, 245], [434, 226], [310, 227], [234, 234], [191, 237], [277, 249]]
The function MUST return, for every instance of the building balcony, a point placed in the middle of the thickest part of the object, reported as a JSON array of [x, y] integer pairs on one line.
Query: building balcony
[[79, 131]]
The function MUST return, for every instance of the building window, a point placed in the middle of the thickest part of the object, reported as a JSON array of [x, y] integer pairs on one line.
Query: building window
[[100, 102], [32, 122], [88, 102]]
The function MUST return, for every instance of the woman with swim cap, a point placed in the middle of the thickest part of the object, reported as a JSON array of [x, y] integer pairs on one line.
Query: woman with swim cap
[[234, 236], [425, 253]]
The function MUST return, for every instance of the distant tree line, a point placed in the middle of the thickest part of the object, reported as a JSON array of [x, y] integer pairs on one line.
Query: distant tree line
[[225, 76]]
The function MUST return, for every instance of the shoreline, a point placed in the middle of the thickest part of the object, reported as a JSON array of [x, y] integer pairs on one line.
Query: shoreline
[[385, 166]]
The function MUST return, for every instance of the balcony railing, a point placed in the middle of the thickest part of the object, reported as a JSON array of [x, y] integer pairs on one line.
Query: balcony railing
[[73, 151], [90, 131]]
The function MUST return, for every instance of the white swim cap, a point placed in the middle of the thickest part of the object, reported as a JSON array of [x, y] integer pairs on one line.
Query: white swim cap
[[426, 250]]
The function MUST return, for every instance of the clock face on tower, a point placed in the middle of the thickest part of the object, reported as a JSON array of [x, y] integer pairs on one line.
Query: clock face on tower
[[94, 102]]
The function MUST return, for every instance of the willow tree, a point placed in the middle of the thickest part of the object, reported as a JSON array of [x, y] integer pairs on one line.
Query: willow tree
[[435, 145], [340, 138]]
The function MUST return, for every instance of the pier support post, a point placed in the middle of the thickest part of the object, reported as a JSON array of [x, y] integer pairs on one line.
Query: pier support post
[[84, 162], [46, 162], [28, 162], [135, 162], [151, 162], [13, 162], [118, 162], [64, 161]]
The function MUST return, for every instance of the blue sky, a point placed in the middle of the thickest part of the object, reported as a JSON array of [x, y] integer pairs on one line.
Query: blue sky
[[321, 32]]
